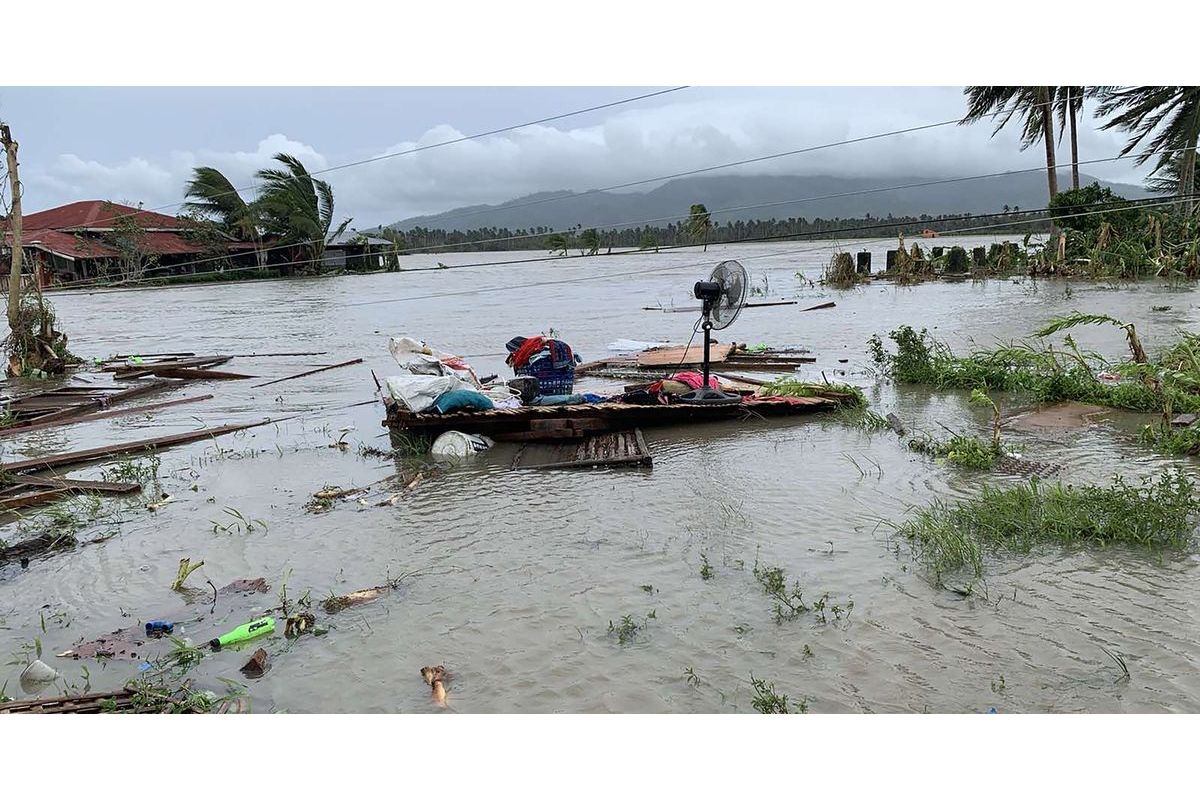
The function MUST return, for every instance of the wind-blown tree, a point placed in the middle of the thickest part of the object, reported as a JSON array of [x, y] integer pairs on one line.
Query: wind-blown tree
[[297, 208], [1033, 105], [699, 223], [213, 196], [1166, 180], [589, 240], [558, 242], [1164, 121]]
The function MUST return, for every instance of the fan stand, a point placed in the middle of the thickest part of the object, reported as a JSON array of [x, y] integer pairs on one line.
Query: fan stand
[[705, 395]]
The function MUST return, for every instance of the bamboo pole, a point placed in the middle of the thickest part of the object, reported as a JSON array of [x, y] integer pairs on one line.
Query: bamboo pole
[[14, 224]]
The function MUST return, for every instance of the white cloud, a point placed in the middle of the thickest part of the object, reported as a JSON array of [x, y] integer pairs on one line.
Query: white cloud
[[628, 146]]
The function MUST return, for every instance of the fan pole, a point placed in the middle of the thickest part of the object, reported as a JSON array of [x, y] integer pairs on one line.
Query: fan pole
[[707, 342]]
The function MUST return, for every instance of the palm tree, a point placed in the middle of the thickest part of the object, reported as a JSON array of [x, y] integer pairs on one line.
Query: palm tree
[[589, 240], [1172, 111], [556, 242], [699, 223], [213, 196], [1068, 102], [297, 208], [1165, 181], [1034, 104]]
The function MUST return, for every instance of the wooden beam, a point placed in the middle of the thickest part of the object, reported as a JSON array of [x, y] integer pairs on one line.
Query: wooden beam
[[106, 451], [191, 374], [310, 372], [32, 499], [107, 487], [116, 412]]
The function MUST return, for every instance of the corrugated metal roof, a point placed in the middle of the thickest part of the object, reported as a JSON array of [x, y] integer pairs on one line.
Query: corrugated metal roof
[[96, 214]]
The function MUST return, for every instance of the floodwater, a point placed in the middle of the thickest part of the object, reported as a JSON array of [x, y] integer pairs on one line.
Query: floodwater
[[514, 576]]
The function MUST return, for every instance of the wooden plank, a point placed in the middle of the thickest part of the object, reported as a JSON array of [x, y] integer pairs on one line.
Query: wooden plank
[[698, 309], [93, 703], [310, 372], [279, 355], [193, 374], [32, 499], [116, 412], [820, 306], [97, 453], [692, 354], [107, 487]]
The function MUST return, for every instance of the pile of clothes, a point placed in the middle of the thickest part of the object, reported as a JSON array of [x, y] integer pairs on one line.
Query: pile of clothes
[[665, 391], [436, 381], [439, 382], [533, 351]]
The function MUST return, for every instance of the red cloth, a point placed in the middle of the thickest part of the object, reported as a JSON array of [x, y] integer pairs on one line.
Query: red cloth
[[695, 380], [521, 355]]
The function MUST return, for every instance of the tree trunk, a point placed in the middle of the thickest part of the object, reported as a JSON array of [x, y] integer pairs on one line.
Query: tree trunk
[[1048, 136], [14, 224], [1187, 178], [1074, 143]]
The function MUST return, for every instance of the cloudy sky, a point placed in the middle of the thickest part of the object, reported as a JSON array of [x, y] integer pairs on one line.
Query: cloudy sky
[[140, 144]]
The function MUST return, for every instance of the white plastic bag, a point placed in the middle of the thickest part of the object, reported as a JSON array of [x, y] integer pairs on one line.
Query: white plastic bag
[[419, 358], [417, 393]]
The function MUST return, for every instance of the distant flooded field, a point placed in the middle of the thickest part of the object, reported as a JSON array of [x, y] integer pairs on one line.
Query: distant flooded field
[[511, 578]]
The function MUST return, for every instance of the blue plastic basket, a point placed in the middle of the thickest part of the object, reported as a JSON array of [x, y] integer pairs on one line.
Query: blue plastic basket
[[550, 379]]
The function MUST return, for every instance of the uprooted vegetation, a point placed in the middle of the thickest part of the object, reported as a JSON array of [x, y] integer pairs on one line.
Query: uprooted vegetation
[[1166, 385], [950, 536], [964, 449]]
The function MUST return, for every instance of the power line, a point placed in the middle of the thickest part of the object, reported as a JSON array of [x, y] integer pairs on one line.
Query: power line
[[408, 250], [1134, 204], [424, 148]]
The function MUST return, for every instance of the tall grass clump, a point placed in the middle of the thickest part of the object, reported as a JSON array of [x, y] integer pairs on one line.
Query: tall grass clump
[[949, 536], [840, 272]]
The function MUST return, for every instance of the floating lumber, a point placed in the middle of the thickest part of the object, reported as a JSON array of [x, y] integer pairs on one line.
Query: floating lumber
[[310, 372], [35, 546], [143, 367], [551, 423], [108, 487], [23, 497], [116, 412], [820, 306], [73, 401], [619, 449], [98, 453], [698, 309], [93, 703], [280, 355], [190, 374], [692, 354]]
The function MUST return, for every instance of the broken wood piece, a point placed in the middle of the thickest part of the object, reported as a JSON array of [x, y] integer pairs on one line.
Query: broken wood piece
[[1183, 420], [333, 605], [116, 412], [678, 356], [619, 449], [830, 304], [246, 586], [110, 487], [436, 678], [192, 374], [32, 498], [124, 643], [257, 665], [36, 546], [310, 372], [93, 703], [95, 453], [896, 424], [279, 355]]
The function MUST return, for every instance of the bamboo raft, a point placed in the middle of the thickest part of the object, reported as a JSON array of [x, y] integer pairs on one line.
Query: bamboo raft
[[555, 423]]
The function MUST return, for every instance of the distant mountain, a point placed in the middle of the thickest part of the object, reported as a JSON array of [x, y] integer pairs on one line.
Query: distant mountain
[[565, 209]]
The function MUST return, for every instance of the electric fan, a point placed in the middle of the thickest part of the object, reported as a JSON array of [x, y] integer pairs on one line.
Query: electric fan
[[722, 297]]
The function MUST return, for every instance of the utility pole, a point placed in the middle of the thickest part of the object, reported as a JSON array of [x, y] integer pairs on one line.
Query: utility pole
[[14, 225]]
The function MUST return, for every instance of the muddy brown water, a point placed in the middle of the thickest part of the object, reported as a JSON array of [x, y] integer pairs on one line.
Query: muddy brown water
[[518, 574]]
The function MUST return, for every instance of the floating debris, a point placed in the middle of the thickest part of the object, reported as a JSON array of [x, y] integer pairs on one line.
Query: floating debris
[[436, 677], [257, 665]]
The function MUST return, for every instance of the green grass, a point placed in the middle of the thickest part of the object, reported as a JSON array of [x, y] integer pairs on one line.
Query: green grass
[[950, 536], [844, 393], [1050, 373], [1170, 440], [767, 701], [961, 449]]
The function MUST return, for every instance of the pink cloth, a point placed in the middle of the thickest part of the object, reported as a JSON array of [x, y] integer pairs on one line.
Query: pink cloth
[[695, 380]]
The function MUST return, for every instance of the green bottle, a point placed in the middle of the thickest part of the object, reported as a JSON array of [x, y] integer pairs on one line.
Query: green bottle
[[244, 632]]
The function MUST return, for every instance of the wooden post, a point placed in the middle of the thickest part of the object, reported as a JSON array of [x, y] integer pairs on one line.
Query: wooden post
[[957, 260], [890, 260], [979, 256], [14, 225]]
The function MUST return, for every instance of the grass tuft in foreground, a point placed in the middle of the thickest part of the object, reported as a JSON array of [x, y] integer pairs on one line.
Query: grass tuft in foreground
[[1157, 514]]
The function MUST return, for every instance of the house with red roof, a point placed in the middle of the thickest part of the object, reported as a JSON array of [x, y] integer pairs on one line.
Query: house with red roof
[[97, 238]]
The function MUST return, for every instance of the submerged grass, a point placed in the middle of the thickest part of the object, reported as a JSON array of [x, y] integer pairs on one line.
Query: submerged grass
[[961, 449], [1160, 513], [1169, 384]]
